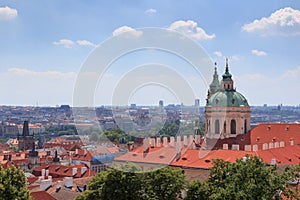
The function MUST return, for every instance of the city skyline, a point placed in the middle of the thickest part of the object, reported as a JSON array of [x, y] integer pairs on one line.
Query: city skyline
[[43, 49]]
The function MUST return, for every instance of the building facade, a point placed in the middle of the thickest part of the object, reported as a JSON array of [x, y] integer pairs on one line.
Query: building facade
[[227, 112]]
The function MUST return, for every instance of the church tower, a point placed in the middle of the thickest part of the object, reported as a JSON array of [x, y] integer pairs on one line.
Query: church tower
[[227, 112]]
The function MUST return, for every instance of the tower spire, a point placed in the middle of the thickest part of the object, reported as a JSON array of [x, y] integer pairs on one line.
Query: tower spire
[[227, 69], [215, 85]]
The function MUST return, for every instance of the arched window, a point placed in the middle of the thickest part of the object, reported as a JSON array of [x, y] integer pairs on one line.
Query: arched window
[[208, 126], [224, 127], [245, 126], [233, 126], [217, 126]]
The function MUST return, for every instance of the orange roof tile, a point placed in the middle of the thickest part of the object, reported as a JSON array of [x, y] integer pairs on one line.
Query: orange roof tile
[[156, 155], [41, 195]]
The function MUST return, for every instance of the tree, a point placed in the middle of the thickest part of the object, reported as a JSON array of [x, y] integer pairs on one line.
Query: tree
[[197, 190], [116, 183], [127, 183], [13, 184], [249, 178], [165, 183]]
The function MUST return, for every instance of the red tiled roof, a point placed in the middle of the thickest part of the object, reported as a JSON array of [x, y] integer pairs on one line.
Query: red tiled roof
[[202, 159], [288, 155], [156, 155], [41, 195], [267, 133], [59, 171]]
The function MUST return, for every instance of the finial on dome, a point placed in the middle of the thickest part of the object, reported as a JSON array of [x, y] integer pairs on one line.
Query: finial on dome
[[227, 70]]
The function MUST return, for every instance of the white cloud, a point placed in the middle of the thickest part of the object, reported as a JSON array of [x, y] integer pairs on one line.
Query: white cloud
[[151, 11], [285, 21], [7, 13], [258, 53], [292, 74], [85, 43], [65, 43], [191, 29], [218, 53], [128, 30]]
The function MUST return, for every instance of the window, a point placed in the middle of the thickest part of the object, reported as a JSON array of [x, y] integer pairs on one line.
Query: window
[[245, 126], [233, 126], [217, 127], [225, 127]]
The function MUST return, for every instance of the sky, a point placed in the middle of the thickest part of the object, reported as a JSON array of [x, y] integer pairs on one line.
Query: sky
[[44, 44]]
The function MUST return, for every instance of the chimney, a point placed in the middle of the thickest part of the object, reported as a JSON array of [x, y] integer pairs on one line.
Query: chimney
[[235, 147], [178, 148], [172, 141], [83, 170], [68, 182], [197, 139], [165, 142], [152, 142], [185, 142], [74, 171], [76, 151], [247, 147], [146, 145], [178, 139], [58, 186], [271, 145], [191, 141], [273, 161], [43, 172], [45, 184], [255, 147], [158, 142]]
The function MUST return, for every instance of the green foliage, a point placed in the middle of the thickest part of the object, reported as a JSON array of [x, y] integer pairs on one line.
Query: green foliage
[[13, 184], [126, 183], [165, 183], [62, 129], [170, 128], [197, 190], [250, 179]]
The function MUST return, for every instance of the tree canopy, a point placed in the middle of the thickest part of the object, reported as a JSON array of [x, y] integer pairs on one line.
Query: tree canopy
[[249, 178], [127, 182], [13, 184]]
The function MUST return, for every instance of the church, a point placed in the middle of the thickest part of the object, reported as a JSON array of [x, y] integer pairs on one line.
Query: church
[[227, 112]]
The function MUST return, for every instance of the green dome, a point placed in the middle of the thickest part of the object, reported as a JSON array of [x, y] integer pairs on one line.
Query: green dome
[[227, 98]]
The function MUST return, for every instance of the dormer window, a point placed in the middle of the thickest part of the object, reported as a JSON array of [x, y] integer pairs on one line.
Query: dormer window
[[232, 101]]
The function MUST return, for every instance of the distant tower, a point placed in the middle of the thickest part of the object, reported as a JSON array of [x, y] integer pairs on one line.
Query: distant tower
[[197, 103], [161, 104], [25, 140], [227, 112], [33, 158]]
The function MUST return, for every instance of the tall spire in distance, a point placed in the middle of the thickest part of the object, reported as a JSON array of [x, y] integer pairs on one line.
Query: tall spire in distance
[[227, 69], [215, 85]]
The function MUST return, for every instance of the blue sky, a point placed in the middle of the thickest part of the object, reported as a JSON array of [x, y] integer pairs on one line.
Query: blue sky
[[44, 43]]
